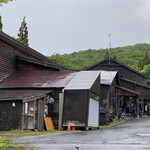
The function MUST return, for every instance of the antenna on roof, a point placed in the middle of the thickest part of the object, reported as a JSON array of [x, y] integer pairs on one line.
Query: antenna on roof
[[109, 38], [109, 45]]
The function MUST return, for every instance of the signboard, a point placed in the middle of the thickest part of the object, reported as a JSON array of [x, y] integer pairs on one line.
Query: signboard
[[31, 109]]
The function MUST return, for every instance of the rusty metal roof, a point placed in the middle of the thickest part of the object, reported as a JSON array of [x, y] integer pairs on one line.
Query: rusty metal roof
[[37, 79], [21, 94]]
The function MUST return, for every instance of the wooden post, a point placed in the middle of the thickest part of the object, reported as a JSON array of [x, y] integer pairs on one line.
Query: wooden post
[[22, 117], [137, 107], [142, 107], [118, 105], [61, 103]]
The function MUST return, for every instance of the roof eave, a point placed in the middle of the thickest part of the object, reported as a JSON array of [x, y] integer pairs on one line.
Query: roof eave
[[21, 46], [118, 63]]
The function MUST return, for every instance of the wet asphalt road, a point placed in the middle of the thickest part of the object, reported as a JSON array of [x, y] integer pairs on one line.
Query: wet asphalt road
[[133, 134]]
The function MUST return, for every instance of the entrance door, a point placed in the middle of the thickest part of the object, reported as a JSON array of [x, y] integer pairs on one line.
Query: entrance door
[[40, 120], [93, 119]]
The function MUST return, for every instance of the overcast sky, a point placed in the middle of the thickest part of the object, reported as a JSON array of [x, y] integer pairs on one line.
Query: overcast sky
[[65, 26]]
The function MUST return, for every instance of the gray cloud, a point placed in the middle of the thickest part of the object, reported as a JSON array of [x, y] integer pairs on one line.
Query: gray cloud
[[64, 26]]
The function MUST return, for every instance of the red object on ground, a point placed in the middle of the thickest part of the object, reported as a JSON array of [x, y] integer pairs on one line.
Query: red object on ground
[[69, 126]]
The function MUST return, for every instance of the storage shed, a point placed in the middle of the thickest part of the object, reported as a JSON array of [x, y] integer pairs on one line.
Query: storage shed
[[22, 109], [81, 100]]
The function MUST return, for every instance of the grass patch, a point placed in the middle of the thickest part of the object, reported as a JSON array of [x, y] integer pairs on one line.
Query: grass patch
[[5, 140], [116, 122], [15, 133], [103, 126], [6, 143], [111, 124]]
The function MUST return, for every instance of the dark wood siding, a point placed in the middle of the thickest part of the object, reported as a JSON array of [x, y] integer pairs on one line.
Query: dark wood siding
[[124, 72], [8, 62], [104, 99], [75, 106], [55, 110], [108, 103], [144, 91], [10, 115], [27, 66]]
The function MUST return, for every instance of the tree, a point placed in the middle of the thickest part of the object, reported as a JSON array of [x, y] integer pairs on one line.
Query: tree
[[4, 1], [23, 33], [106, 54], [61, 60], [146, 71], [114, 57], [1, 25], [144, 61]]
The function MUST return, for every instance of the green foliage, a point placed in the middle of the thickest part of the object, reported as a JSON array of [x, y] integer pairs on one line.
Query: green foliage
[[62, 61], [106, 54], [131, 56], [1, 25], [116, 122], [6, 143], [5, 140], [18, 133], [146, 71], [128, 55], [144, 61], [114, 57], [19, 39], [4, 1], [23, 33]]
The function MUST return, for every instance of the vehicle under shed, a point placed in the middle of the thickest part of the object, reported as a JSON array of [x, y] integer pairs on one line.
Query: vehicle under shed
[[81, 100]]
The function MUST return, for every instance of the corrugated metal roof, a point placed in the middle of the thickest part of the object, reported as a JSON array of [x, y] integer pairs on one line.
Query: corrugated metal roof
[[82, 80], [37, 79], [21, 94], [107, 77]]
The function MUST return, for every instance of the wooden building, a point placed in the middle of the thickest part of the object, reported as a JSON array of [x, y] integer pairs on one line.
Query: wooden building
[[81, 100], [30, 91], [22, 109], [28, 83], [22, 68], [132, 90], [109, 96], [124, 71]]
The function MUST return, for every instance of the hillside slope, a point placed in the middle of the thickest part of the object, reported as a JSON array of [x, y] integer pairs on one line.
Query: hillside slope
[[128, 55]]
